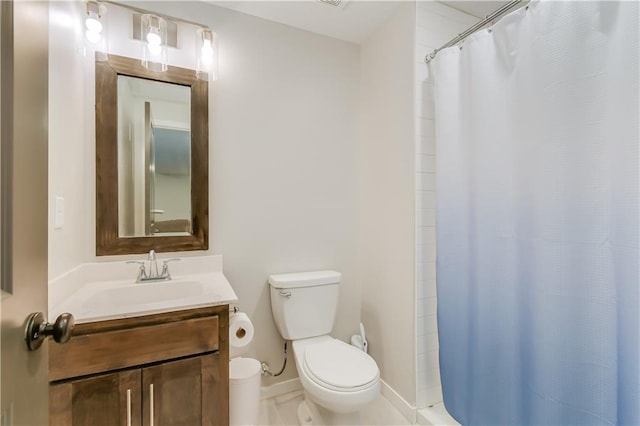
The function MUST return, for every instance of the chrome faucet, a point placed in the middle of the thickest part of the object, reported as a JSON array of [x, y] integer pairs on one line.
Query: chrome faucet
[[152, 275]]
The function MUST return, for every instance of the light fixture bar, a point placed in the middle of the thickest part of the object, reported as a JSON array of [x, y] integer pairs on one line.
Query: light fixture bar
[[156, 32]]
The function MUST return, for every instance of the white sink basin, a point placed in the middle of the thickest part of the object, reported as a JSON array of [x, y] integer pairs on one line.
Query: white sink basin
[[102, 300], [145, 294]]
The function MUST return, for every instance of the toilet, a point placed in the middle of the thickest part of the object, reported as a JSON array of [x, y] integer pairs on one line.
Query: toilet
[[337, 378]]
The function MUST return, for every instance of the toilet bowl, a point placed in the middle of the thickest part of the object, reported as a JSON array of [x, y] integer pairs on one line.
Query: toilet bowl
[[335, 375], [337, 378]]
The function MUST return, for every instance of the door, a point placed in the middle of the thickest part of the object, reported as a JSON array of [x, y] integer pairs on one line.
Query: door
[[184, 392], [109, 399], [23, 157]]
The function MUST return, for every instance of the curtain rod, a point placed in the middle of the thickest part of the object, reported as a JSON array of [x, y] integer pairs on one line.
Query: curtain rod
[[487, 19]]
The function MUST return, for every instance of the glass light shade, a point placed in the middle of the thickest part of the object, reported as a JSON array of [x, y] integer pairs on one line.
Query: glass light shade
[[154, 42], [96, 30], [93, 24], [207, 51], [93, 36], [153, 37]]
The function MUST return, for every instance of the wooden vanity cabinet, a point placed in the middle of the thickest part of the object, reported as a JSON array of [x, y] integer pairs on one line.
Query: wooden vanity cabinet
[[181, 392], [111, 372], [106, 399]]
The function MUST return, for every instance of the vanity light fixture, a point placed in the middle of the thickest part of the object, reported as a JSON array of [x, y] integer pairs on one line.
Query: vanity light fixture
[[156, 34], [95, 28], [207, 51], [153, 29]]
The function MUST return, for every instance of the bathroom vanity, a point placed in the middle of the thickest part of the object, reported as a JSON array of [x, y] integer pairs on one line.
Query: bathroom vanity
[[152, 350], [146, 353], [165, 369]]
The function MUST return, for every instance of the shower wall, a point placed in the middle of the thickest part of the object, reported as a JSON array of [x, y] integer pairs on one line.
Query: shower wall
[[435, 25], [386, 247]]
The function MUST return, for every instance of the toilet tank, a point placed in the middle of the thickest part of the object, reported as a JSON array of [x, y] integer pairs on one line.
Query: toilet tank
[[304, 304]]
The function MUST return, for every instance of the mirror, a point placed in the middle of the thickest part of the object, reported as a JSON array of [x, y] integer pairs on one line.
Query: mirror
[[151, 159]]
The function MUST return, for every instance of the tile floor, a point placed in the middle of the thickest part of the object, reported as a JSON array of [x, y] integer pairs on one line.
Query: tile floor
[[281, 410], [436, 415]]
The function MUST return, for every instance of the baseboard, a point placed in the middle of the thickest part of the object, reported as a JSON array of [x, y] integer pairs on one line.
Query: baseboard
[[406, 409], [281, 388]]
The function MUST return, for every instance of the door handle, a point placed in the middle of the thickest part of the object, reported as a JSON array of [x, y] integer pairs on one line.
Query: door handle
[[39, 329], [151, 409], [128, 407]]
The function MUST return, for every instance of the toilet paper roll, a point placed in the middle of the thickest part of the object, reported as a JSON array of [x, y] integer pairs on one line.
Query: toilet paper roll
[[240, 330]]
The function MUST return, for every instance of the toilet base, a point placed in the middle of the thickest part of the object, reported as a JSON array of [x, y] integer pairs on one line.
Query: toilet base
[[310, 413]]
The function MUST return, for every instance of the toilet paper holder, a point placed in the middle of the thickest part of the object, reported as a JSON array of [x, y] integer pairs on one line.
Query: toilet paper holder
[[240, 333]]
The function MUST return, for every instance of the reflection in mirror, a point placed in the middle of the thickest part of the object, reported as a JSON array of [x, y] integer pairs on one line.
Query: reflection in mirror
[[154, 158]]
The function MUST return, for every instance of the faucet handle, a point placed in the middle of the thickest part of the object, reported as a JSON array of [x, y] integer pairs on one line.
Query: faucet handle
[[165, 267], [142, 272]]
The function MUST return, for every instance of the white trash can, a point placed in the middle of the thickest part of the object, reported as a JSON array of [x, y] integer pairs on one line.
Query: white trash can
[[244, 391]]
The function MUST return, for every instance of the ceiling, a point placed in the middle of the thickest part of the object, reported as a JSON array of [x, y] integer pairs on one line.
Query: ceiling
[[353, 22], [478, 8]]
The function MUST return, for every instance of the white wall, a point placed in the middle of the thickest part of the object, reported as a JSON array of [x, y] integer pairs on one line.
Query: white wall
[[71, 144], [436, 24], [283, 147], [284, 134], [387, 232]]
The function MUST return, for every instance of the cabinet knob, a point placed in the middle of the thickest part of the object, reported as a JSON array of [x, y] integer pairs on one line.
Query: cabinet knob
[[38, 329]]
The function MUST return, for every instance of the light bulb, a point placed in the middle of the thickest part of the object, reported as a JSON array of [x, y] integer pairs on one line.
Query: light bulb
[[93, 36], [154, 49], [93, 24], [153, 38], [153, 30], [206, 61]]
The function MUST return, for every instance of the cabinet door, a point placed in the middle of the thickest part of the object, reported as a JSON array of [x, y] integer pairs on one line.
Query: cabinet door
[[108, 399], [185, 392]]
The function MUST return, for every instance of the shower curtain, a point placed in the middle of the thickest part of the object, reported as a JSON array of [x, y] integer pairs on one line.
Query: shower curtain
[[537, 217]]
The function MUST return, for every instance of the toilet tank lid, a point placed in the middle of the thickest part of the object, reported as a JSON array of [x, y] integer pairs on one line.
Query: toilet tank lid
[[304, 279]]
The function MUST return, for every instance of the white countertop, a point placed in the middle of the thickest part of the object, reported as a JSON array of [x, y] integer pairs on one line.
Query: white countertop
[[117, 297]]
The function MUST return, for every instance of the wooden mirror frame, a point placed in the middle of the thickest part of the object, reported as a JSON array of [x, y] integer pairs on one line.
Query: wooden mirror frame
[[108, 241]]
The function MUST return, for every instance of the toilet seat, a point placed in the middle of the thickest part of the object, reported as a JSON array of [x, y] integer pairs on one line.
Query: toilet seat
[[338, 366]]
